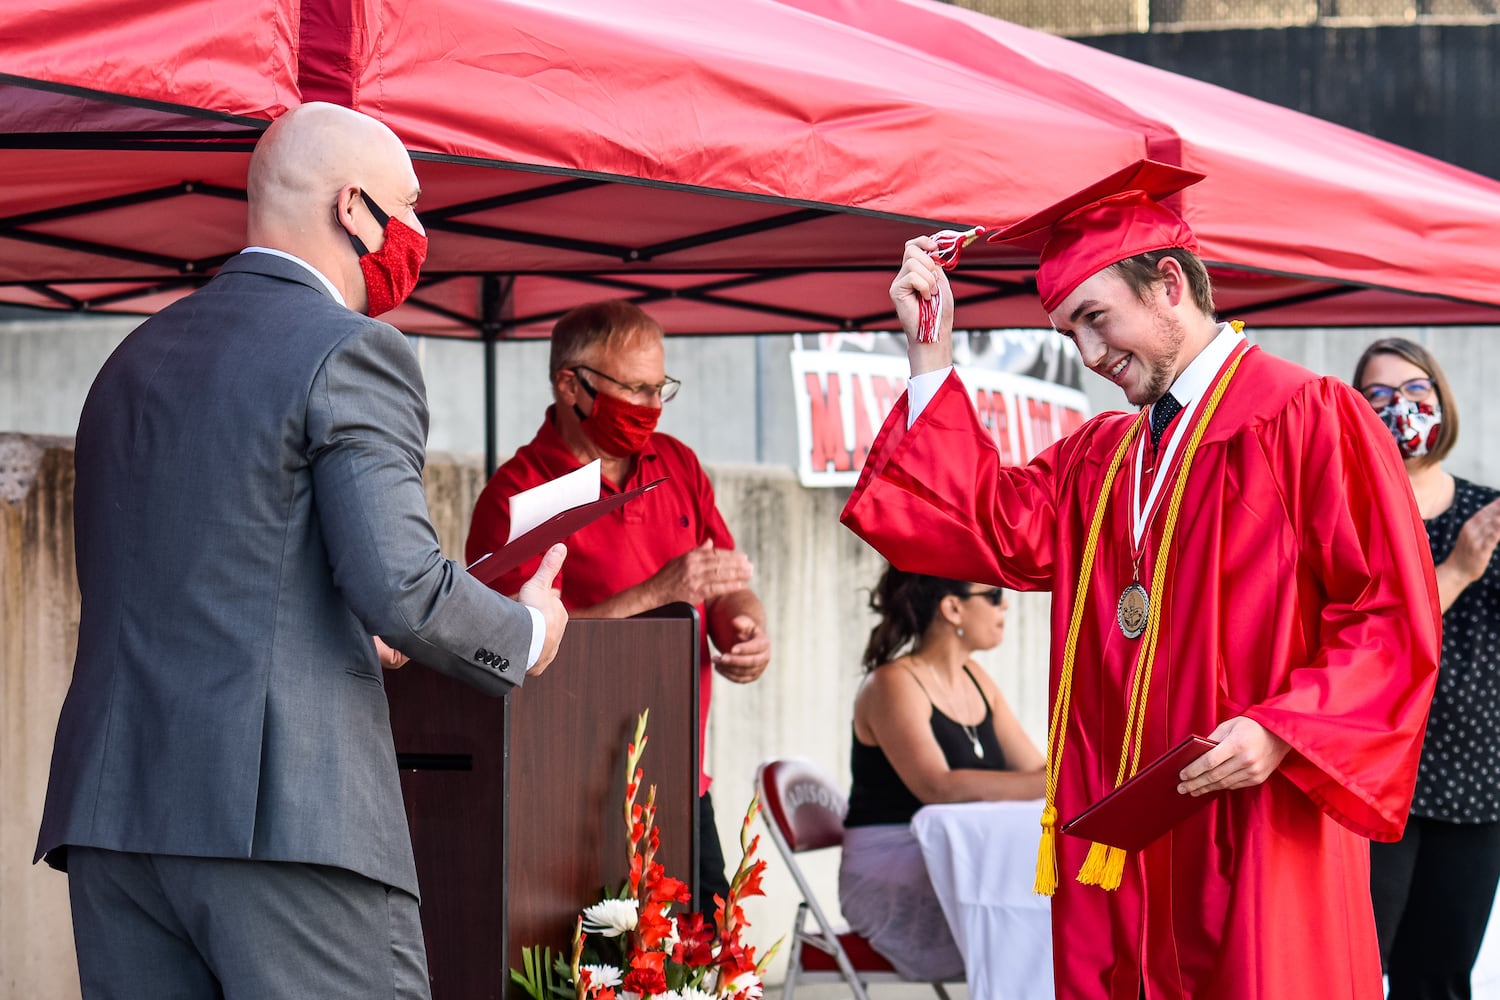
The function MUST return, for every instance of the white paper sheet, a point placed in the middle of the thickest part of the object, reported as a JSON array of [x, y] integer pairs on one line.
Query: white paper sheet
[[530, 508]]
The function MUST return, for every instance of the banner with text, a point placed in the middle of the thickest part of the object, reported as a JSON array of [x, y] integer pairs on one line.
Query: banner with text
[[843, 397]]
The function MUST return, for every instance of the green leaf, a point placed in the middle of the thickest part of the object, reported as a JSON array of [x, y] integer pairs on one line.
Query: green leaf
[[538, 974]]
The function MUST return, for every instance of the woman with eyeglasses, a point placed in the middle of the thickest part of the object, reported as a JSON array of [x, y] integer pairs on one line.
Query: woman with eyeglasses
[[930, 725], [1433, 890]]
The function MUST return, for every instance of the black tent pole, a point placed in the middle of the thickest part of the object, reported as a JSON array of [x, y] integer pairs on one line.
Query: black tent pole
[[489, 329]]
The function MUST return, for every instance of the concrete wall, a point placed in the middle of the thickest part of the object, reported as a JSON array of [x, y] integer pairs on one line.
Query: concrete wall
[[736, 405], [810, 573], [38, 636]]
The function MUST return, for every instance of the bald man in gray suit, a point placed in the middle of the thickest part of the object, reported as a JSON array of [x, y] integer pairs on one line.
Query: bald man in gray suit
[[249, 512]]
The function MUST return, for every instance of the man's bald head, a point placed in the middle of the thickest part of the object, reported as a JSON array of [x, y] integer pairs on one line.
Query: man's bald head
[[303, 173]]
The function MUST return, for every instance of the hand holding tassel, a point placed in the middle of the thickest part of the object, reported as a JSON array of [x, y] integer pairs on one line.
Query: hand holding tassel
[[950, 245]]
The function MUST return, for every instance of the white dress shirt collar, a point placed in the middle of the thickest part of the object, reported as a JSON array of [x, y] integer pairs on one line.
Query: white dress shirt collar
[[1195, 378], [298, 260]]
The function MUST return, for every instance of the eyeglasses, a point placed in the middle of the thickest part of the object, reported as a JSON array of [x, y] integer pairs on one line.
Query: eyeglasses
[[1418, 390], [664, 390], [994, 595]]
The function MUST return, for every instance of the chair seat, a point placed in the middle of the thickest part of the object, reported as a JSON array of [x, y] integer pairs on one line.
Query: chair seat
[[864, 957]]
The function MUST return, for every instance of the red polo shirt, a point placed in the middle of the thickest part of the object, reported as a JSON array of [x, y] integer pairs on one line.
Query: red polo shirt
[[621, 549]]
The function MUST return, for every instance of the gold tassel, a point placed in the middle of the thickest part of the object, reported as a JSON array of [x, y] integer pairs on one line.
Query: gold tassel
[[1046, 854], [1114, 869], [1093, 866]]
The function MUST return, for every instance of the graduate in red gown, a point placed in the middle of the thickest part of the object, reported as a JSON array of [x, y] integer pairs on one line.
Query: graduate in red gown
[[1242, 561]]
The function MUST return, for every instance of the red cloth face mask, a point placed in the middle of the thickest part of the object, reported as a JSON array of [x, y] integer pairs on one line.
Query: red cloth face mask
[[618, 426], [390, 272]]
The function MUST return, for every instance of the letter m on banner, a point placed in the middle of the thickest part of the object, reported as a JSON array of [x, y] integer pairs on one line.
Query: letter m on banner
[[843, 397]]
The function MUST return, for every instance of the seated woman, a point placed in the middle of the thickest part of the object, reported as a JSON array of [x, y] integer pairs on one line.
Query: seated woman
[[929, 726]]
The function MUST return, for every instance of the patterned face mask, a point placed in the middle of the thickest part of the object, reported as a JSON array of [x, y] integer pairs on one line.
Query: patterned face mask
[[1415, 426]]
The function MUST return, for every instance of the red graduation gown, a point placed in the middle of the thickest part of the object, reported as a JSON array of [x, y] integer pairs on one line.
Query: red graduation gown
[[1300, 593]]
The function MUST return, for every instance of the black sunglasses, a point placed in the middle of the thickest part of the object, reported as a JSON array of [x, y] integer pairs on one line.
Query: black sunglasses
[[994, 595]]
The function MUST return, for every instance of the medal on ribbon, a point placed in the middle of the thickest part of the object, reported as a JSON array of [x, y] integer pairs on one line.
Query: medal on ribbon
[[1133, 610]]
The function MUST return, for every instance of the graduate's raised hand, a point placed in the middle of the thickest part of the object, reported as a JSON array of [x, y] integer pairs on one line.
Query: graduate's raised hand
[[920, 276], [1248, 753]]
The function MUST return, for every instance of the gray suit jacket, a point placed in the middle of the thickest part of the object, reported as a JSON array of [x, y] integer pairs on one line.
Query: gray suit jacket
[[248, 512]]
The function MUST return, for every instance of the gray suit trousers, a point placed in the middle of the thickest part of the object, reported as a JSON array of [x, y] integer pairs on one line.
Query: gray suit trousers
[[165, 927]]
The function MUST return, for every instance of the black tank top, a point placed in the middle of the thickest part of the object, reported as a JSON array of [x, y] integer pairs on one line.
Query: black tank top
[[877, 794]]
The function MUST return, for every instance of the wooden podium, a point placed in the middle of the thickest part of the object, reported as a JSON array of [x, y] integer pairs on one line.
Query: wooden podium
[[516, 803]]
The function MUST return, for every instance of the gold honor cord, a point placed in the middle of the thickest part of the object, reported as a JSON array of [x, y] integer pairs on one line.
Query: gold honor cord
[[1105, 866], [1046, 854]]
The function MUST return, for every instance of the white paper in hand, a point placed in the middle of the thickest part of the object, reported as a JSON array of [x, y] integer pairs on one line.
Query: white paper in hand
[[530, 508]]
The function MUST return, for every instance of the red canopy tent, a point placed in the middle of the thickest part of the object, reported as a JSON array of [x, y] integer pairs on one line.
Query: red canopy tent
[[732, 166], [1310, 224], [742, 167]]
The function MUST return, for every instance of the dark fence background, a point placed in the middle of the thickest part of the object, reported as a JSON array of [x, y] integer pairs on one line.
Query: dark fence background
[[1419, 73]]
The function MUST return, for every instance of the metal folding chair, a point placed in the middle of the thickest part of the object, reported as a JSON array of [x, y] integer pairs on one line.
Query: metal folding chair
[[804, 810]]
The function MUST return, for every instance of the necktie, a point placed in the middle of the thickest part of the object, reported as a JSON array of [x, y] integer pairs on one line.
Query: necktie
[[1162, 412]]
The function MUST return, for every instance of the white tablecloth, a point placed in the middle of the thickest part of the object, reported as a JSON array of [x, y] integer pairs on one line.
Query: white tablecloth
[[982, 860]]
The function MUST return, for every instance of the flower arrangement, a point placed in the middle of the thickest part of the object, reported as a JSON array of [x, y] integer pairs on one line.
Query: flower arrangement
[[632, 945]]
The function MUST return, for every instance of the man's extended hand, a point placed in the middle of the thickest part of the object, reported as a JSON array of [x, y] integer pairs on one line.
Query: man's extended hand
[[538, 593], [700, 575], [390, 659], [747, 657], [1247, 755]]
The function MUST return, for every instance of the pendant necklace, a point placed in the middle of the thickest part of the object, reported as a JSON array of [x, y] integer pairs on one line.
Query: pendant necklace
[[1134, 608], [974, 739], [972, 732]]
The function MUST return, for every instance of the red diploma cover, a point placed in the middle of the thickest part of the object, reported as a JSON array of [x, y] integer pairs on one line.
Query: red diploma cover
[[1146, 806], [556, 528]]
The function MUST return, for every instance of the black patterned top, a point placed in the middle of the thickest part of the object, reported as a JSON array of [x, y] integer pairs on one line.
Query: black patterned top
[[1459, 778]]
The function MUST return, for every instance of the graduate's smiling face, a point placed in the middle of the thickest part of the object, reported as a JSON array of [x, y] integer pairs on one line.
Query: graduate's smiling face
[[1133, 341]]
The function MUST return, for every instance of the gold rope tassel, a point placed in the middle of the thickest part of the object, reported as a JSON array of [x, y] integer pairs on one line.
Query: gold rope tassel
[[1105, 866], [1046, 854], [1045, 883], [1092, 872]]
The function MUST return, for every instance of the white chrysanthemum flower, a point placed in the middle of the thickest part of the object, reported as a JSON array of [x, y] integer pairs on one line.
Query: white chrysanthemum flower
[[610, 917], [747, 985], [673, 939], [603, 976], [694, 993]]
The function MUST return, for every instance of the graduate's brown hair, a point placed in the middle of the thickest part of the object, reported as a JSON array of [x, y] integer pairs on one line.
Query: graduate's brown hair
[[906, 604], [1142, 274], [1413, 353]]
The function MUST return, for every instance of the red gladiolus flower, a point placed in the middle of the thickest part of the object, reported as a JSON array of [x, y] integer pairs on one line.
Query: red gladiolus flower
[[653, 927], [670, 890], [735, 959]]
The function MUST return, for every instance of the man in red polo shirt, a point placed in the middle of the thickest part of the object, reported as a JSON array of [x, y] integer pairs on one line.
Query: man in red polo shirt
[[609, 383]]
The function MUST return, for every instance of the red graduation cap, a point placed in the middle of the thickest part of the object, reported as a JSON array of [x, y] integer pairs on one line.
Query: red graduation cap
[[1115, 218]]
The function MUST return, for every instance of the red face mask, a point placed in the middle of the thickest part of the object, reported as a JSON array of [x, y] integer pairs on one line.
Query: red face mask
[[618, 426], [390, 272]]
